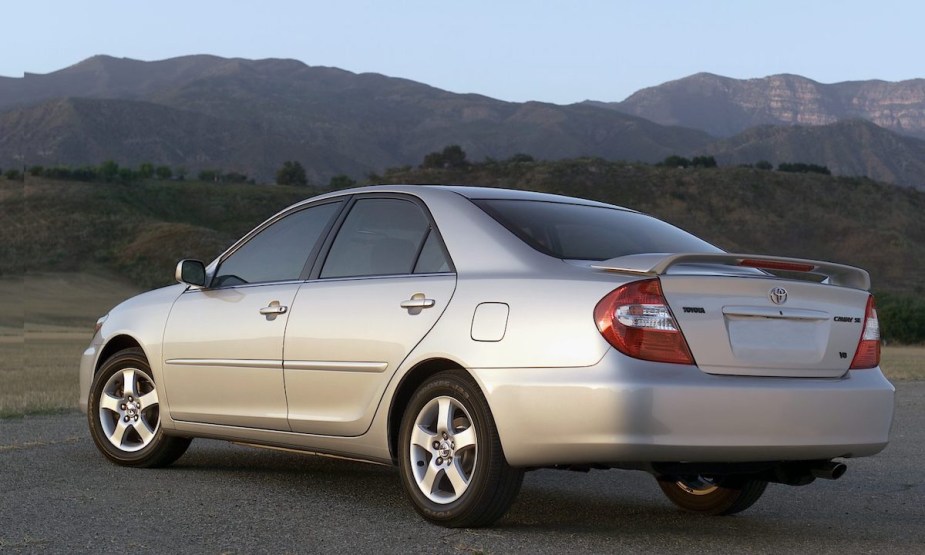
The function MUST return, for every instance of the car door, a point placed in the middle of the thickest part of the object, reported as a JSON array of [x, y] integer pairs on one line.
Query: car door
[[385, 281], [223, 345]]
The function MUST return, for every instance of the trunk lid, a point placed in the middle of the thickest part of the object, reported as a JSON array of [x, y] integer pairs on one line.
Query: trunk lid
[[733, 326], [740, 320]]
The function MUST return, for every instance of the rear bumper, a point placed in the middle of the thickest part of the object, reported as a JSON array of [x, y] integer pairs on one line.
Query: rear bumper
[[623, 410]]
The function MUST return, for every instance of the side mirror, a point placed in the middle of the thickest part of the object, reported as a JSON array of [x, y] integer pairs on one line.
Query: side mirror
[[191, 272]]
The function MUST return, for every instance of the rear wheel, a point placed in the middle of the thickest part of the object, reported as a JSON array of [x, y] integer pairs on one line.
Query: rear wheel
[[450, 458], [713, 496], [124, 414]]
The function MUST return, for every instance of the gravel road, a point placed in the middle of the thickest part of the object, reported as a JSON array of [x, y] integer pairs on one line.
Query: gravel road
[[58, 494]]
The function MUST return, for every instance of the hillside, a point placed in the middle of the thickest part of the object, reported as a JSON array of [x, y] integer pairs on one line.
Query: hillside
[[848, 148], [136, 231], [724, 107], [139, 231], [77, 131], [855, 221], [251, 115]]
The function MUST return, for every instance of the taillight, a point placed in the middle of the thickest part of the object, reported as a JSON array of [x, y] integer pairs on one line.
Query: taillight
[[636, 320], [868, 353]]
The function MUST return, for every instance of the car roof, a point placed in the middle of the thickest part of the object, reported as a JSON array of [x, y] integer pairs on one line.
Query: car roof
[[469, 192], [492, 193]]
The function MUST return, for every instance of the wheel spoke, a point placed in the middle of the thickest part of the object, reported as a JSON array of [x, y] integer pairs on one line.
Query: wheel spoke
[[465, 438], [148, 400], [454, 473], [422, 438], [430, 477], [128, 382], [118, 433], [110, 402], [444, 415], [144, 432]]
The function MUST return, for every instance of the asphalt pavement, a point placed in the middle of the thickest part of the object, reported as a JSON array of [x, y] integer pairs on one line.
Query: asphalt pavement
[[59, 495]]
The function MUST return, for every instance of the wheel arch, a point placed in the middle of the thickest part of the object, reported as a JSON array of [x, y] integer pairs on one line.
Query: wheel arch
[[409, 383], [114, 345]]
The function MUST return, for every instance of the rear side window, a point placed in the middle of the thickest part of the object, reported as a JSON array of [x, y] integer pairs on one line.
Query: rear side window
[[432, 258], [581, 232], [384, 237]]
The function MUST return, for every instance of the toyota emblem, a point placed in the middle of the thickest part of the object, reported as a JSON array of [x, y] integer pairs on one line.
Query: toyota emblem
[[778, 295]]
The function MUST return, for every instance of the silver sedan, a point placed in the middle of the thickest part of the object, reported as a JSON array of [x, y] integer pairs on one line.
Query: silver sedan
[[468, 335]]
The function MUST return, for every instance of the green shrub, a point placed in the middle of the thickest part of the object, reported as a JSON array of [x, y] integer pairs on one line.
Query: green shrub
[[902, 318]]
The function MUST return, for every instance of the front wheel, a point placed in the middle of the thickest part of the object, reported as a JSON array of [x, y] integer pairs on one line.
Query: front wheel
[[713, 496], [450, 458], [124, 414]]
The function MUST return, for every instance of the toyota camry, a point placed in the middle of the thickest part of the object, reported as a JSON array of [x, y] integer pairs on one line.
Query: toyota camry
[[468, 335]]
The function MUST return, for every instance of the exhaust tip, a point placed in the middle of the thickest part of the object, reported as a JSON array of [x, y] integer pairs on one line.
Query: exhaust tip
[[829, 470]]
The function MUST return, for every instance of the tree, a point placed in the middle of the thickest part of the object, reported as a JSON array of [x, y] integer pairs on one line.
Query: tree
[[84, 173], [209, 175], [800, 167], [452, 156], [703, 162], [13, 175], [341, 182], [764, 165], [109, 170], [675, 161], [432, 160], [163, 173], [520, 158], [146, 170], [234, 177], [292, 173], [36, 171]]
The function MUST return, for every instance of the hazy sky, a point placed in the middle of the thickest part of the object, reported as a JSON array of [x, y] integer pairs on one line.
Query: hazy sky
[[562, 52]]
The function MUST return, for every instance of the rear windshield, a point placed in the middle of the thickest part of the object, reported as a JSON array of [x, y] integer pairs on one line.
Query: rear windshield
[[581, 232]]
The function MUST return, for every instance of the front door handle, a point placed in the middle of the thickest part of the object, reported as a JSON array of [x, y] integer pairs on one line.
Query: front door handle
[[418, 301], [273, 310]]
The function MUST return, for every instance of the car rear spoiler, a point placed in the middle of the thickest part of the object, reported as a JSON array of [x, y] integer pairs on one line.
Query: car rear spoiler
[[658, 264]]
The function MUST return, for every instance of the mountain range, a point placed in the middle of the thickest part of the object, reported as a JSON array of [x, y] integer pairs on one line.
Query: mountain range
[[201, 112], [724, 107]]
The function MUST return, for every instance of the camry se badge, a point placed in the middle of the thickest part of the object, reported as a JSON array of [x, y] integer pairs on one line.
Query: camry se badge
[[778, 295]]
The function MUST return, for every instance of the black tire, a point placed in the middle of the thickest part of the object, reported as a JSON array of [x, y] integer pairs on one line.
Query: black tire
[[125, 424], [469, 481], [717, 497]]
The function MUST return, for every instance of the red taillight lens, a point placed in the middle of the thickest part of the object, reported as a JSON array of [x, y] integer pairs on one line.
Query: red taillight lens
[[636, 320], [868, 353]]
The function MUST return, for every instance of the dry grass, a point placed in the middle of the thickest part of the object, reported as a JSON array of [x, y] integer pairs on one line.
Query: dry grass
[[39, 374], [41, 339], [903, 363]]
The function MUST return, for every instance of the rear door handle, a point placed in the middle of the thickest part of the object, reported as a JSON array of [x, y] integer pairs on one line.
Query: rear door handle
[[418, 301], [273, 309]]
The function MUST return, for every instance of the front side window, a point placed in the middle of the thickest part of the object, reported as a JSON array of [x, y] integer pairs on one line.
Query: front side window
[[279, 251], [381, 236]]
